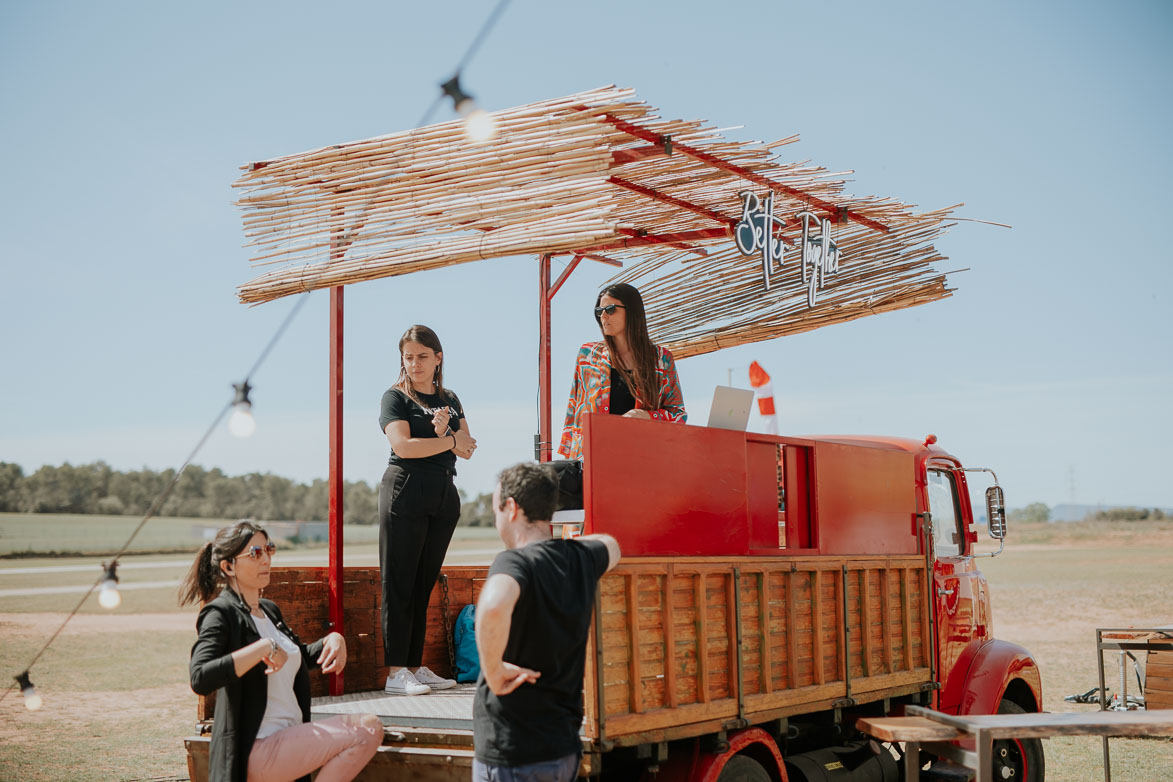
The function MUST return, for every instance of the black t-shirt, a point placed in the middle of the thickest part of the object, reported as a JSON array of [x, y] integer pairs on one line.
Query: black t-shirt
[[621, 399], [548, 633], [398, 406]]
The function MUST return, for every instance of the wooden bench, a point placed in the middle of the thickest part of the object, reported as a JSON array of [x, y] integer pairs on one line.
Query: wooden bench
[[936, 732]]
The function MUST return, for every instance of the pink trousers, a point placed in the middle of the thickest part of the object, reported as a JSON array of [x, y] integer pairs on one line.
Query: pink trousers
[[340, 747]]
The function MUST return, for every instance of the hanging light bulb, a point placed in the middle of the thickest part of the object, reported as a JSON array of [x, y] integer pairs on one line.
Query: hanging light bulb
[[108, 595], [32, 701], [479, 125], [242, 423]]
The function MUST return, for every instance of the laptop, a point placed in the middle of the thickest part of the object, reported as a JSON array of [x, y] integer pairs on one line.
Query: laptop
[[730, 408]]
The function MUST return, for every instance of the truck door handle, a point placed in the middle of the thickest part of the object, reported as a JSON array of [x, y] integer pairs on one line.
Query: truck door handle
[[944, 592]]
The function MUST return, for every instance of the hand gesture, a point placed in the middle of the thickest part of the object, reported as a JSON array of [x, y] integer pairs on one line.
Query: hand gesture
[[637, 413], [333, 656], [511, 677], [465, 444], [440, 421], [274, 661]]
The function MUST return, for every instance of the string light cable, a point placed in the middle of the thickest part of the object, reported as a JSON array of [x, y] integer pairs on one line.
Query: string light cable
[[107, 582], [480, 127]]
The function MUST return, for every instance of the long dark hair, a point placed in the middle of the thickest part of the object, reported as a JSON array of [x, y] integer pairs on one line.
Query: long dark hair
[[426, 337], [642, 384], [205, 578]]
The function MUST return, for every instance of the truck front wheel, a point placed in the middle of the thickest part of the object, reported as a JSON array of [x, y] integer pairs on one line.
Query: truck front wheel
[[1020, 760], [743, 769]]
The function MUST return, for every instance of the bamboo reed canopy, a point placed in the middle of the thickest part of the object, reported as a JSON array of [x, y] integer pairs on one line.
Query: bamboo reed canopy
[[596, 175]]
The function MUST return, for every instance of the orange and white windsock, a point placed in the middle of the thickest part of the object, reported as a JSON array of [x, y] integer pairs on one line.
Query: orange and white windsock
[[760, 380]]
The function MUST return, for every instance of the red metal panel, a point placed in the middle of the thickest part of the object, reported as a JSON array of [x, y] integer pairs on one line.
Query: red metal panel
[[761, 489], [800, 531], [866, 499], [336, 481], [544, 295], [665, 489]]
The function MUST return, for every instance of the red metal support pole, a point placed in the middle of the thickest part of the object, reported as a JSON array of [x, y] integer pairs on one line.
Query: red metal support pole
[[336, 482], [544, 434]]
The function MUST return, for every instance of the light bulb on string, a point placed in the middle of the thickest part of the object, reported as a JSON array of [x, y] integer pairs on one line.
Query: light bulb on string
[[479, 125], [242, 423], [108, 595], [32, 701]]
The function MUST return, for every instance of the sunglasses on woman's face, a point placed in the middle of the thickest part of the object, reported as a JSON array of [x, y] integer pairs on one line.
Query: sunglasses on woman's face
[[254, 552], [609, 309]]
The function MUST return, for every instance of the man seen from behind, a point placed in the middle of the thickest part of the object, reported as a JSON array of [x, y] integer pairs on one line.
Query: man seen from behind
[[532, 622]]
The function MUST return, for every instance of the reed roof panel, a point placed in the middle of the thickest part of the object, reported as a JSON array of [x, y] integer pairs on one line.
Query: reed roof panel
[[588, 172]]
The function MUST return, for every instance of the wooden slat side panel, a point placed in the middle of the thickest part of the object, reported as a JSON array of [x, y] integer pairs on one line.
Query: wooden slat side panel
[[719, 638], [616, 645], [791, 615]]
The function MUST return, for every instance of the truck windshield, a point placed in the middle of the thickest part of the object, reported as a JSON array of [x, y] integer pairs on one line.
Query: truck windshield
[[943, 507]]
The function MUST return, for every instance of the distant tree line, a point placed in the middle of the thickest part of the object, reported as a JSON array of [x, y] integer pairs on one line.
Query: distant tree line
[[1130, 514], [200, 493], [1035, 512], [1038, 512]]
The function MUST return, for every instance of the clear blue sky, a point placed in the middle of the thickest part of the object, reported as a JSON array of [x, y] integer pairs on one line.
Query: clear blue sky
[[123, 124]]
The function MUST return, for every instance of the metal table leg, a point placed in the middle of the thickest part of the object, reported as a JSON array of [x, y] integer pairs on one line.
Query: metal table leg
[[1103, 700]]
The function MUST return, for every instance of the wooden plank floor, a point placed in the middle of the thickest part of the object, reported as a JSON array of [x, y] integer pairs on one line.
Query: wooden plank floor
[[445, 709]]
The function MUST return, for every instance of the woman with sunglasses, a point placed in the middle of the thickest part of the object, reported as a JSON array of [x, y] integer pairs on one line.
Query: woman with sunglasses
[[625, 374], [418, 504], [259, 670]]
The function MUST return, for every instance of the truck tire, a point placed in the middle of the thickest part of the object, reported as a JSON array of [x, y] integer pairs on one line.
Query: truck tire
[[741, 768], [1018, 760]]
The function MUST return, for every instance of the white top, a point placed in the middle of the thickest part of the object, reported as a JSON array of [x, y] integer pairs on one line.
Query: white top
[[281, 710]]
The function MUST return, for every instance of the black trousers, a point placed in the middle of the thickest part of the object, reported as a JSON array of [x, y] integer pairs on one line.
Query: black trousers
[[418, 511]]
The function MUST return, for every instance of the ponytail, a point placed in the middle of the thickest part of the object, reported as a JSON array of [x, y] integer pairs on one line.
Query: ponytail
[[203, 579]]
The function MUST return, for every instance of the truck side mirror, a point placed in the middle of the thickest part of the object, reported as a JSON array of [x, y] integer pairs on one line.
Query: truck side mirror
[[996, 512]]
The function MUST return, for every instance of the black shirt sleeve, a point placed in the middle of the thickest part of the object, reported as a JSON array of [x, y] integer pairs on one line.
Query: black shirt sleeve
[[393, 408], [599, 555], [512, 564]]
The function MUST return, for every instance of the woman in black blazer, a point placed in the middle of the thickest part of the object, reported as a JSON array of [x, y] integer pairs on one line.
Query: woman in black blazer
[[259, 669]]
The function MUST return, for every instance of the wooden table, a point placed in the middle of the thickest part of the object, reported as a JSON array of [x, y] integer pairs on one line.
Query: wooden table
[[935, 732]]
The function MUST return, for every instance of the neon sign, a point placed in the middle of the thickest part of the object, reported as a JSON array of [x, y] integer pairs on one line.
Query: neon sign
[[754, 233]]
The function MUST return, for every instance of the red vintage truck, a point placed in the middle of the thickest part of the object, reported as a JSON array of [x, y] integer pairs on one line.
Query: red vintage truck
[[772, 590]]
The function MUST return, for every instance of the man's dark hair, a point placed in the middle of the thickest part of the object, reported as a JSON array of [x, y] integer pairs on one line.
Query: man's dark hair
[[533, 487]]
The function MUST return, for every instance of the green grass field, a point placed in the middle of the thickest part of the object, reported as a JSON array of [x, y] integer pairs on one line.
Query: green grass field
[[30, 534], [117, 705]]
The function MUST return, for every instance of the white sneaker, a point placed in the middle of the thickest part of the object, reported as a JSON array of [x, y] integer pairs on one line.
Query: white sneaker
[[425, 676], [403, 682]]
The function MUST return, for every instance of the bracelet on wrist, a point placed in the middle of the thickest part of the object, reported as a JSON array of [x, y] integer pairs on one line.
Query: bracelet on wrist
[[272, 645], [453, 442]]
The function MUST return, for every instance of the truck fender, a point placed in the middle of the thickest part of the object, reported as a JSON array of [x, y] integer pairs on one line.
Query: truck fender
[[755, 743], [1001, 669]]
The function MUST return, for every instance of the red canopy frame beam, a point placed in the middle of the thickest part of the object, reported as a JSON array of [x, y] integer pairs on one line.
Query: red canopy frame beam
[[336, 482], [834, 210], [543, 448], [703, 211]]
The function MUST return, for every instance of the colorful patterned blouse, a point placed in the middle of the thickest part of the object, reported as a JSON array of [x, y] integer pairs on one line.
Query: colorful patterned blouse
[[592, 393]]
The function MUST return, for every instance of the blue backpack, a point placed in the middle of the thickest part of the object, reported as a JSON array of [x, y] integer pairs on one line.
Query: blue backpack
[[464, 638]]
